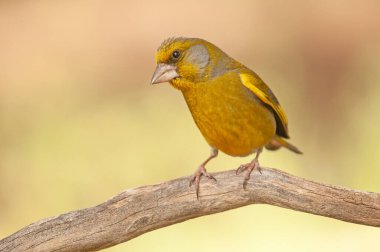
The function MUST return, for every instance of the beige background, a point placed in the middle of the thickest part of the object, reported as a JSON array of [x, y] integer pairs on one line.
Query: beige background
[[79, 121]]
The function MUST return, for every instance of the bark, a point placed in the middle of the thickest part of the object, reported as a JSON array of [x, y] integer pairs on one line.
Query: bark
[[137, 211]]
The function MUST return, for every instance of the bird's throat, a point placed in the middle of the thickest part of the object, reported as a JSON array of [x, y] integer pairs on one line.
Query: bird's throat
[[181, 84]]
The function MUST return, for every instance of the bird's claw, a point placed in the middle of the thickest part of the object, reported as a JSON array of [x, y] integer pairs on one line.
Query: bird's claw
[[196, 178], [248, 168]]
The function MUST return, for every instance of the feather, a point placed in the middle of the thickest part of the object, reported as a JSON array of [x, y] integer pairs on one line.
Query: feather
[[262, 91]]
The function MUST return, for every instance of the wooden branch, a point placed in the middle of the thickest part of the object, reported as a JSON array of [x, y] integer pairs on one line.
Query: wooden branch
[[137, 211]]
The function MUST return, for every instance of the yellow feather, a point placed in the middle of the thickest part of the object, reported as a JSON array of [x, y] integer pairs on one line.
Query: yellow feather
[[251, 82]]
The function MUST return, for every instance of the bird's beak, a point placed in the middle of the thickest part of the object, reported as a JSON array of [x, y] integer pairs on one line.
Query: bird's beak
[[164, 73]]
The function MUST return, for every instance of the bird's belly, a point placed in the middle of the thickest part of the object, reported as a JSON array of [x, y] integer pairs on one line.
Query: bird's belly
[[236, 137], [235, 126]]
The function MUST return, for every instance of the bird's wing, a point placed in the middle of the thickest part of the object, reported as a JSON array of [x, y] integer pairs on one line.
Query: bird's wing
[[263, 92]]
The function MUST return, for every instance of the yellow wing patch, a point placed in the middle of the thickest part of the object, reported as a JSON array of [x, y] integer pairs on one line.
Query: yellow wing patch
[[265, 95]]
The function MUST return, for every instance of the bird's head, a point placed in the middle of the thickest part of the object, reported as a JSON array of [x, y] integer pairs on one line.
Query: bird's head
[[185, 61]]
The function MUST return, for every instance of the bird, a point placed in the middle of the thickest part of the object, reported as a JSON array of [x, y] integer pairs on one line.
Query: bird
[[234, 109]]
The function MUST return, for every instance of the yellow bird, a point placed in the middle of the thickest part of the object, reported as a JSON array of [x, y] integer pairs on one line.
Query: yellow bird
[[233, 108]]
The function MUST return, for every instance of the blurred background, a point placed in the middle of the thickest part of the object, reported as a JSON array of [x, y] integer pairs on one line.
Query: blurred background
[[80, 122]]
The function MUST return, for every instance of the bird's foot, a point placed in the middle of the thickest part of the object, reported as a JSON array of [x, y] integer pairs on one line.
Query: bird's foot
[[248, 168], [196, 178]]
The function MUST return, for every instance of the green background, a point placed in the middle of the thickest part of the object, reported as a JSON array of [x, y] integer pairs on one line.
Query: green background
[[79, 121]]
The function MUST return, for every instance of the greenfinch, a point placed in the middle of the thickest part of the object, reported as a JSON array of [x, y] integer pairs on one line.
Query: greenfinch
[[236, 112]]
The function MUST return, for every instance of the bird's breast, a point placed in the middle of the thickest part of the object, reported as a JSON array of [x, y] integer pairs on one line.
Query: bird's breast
[[230, 117]]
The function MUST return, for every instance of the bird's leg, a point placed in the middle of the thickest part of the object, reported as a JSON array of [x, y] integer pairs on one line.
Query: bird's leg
[[250, 167], [201, 171]]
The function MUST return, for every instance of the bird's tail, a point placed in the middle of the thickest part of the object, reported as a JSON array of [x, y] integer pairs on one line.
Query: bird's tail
[[278, 142]]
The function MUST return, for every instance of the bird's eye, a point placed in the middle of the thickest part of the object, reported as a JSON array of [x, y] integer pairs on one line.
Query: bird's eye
[[176, 54]]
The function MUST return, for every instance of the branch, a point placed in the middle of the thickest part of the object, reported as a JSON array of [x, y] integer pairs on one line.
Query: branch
[[137, 211]]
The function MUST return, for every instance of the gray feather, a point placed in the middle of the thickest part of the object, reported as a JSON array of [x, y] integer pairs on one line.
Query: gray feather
[[198, 55]]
